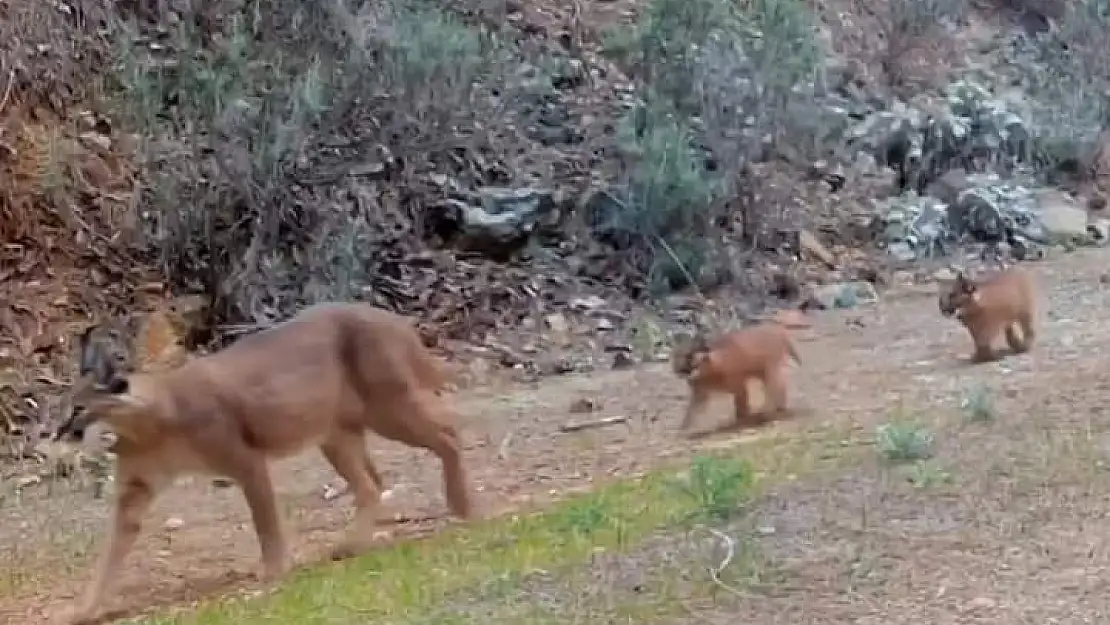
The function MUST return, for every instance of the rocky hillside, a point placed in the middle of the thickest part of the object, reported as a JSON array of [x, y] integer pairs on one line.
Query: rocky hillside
[[544, 184]]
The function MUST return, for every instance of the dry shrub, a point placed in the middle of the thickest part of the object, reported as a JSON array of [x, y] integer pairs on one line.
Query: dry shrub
[[918, 42], [50, 50], [280, 146], [51, 55], [24, 165], [1066, 74]]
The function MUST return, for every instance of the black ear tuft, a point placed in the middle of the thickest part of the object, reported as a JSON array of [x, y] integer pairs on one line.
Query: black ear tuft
[[118, 386]]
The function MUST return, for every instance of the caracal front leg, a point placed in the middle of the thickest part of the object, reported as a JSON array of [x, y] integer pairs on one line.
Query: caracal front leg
[[253, 475], [133, 501], [699, 397], [775, 387]]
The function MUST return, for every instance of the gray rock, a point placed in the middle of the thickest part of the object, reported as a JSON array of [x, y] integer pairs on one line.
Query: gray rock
[[1099, 230], [948, 187], [840, 295], [1060, 216], [500, 221]]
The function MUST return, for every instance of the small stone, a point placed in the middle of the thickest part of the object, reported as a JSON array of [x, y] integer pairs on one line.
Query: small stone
[[173, 523], [96, 141], [944, 275], [333, 491], [623, 360], [903, 278], [557, 323], [980, 603], [582, 405], [587, 303]]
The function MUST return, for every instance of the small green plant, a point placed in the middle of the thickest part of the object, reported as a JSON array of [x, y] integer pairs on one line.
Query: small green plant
[[927, 475], [979, 405], [586, 517], [847, 297], [719, 486], [900, 441], [646, 338]]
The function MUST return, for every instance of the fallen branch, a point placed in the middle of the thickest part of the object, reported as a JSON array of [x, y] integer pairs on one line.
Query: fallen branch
[[730, 553], [8, 89], [589, 425]]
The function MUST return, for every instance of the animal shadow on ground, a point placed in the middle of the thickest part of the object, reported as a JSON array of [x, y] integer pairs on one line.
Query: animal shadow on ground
[[752, 425]]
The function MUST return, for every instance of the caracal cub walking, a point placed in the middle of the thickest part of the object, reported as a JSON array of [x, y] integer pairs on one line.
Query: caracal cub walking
[[1002, 303], [320, 379], [727, 363]]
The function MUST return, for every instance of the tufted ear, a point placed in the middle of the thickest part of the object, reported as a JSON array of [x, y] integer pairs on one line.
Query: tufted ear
[[129, 415], [964, 283]]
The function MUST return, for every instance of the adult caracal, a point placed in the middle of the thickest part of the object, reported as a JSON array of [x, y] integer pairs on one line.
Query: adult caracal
[[320, 379]]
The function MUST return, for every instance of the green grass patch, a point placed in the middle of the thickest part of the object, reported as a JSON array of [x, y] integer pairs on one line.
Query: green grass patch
[[408, 582]]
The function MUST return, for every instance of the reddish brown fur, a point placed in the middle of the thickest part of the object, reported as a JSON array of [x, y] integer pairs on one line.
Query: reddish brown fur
[[729, 362], [1003, 303], [321, 379]]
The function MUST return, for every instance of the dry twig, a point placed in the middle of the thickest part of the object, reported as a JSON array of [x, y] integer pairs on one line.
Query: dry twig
[[7, 90], [730, 553], [503, 448], [588, 425]]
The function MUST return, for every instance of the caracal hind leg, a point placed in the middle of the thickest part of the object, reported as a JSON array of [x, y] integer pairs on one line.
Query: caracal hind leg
[[425, 419], [775, 386], [1015, 339], [373, 472], [346, 452], [132, 503], [1028, 334], [742, 414], [699, 397], [984, 346]]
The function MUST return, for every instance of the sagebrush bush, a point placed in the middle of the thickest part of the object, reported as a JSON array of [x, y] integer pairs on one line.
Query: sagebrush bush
[[668, 196], [1066, 74], [724, 85], [255, 127]]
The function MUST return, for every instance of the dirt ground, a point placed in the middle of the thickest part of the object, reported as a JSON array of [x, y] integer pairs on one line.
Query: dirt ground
[[1018, 536]]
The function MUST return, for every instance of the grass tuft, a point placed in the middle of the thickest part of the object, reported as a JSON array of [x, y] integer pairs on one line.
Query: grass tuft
[[899, 441]]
